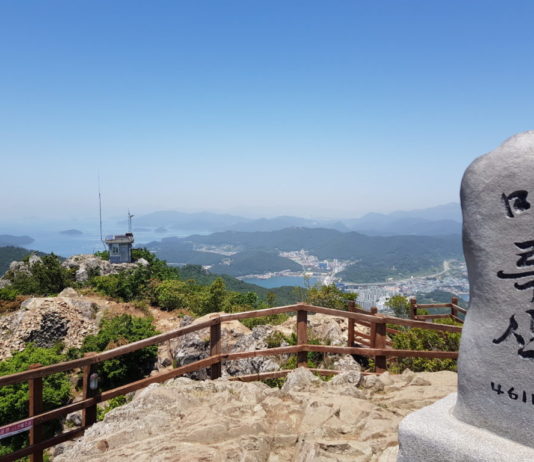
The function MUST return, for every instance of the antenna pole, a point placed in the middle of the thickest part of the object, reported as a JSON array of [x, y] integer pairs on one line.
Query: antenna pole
[[100, 212], [130, 216]]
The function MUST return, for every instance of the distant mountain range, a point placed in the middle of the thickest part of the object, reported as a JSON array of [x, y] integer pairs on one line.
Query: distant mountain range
[[440, 220], [375, 258]]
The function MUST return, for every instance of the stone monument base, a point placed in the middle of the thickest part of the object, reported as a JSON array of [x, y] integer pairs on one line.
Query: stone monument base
[[433, 434]]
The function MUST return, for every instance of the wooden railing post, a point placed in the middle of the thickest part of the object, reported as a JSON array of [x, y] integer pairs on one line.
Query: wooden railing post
[[413, 308], [215, 349], [302, 337], [89, 413], [36, 408], [380, 342], [350, 334], [372, 329], [454, 312]]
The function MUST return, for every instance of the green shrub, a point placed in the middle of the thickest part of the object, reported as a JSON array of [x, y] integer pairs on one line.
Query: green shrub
[[110, 405], [329, 296], [46, 277], [8, 294], [425, 339], [399, 305], [120, 331], [14, 398]]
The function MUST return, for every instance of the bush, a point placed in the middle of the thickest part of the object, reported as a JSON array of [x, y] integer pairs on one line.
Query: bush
[[399, 305], [8, 294], [329, 296], [425, 339], [110, 405], [173, 294], [14, 398], [46, 277], [120, 331]]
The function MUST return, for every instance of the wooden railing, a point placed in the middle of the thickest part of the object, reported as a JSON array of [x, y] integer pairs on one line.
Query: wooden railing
[[374, 344], [457, 313]]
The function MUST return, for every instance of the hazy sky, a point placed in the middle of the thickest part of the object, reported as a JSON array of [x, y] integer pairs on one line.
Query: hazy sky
[[316, 108]]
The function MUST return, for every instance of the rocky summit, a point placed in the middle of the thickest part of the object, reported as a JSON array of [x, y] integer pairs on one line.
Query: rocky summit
[[349, 418]]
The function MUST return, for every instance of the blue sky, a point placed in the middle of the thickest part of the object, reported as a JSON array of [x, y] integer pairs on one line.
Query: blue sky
[[313, 108]]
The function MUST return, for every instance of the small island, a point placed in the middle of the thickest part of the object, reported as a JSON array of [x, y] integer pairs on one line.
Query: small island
[[71, 232]]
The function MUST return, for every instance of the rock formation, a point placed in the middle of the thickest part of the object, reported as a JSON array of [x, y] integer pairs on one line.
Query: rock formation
[[91, 265], [67, 318], [307, 420]]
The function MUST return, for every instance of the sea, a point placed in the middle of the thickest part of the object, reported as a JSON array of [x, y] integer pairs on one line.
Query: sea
[[278, 281], [65, 245], [50, 239]]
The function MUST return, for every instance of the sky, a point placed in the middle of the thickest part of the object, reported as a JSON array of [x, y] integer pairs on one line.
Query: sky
[[260, 108]]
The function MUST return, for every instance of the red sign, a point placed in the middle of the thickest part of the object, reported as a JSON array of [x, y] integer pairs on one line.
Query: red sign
[[13, 429]]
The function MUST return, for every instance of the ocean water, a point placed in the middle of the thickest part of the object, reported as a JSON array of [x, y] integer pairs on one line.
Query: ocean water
[[52, 240], [277, 281]]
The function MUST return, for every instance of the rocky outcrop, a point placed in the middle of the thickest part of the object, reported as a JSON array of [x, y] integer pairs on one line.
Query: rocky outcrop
[[309, 420], [238, 338], [87, 266], [18, 267], [67, 318]]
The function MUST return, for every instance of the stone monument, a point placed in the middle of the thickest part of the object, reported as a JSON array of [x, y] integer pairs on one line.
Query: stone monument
[[492, 416]]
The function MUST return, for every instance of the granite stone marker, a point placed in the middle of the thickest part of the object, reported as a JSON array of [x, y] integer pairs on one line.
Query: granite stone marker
[[496, 362]]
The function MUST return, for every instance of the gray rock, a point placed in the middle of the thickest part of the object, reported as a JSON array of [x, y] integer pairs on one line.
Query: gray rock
[[386, 379], [68, 292], [349, 377], [300, 379], [372, 382], [497, 351], [142, 262], [33, 260], [53, 329], [74, 418]]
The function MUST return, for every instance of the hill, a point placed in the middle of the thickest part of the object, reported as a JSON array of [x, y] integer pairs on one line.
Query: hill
[[255, 262], [439, 220], [285, 295], [374, 258]]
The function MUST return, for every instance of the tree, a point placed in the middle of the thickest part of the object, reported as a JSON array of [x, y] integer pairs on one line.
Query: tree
[[399, 305], [119, 331], [329, 296], [44, 277], [14, 398], [215, 297]]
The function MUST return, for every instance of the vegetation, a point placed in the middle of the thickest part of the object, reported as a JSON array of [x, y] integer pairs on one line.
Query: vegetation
[[379, 258], [115, 332], [399, 305], [14, 398], [425, 339], [439, 296], [11, 253], [285, 295], [329, 296], [110, 405], [45, 277], [255, 262]]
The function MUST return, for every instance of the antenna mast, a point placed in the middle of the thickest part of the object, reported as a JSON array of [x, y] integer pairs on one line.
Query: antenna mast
[[100, 212], [130, 216]]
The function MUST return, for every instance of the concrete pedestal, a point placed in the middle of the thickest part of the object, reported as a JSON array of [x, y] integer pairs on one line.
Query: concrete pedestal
[[433, 434]]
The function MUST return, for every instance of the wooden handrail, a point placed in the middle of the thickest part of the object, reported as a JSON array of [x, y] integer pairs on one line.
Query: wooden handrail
[[375, 345]]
